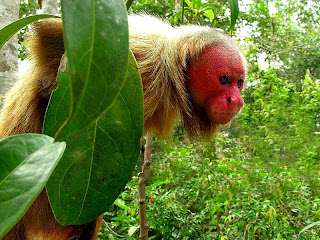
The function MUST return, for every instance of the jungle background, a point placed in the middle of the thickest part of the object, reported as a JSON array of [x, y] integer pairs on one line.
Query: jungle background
[[259, 178]]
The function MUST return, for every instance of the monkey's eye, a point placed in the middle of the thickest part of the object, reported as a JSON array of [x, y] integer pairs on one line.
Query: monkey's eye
[[224, 79], [240, 83]]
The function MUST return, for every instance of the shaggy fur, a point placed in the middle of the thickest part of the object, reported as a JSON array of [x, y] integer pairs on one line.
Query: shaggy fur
[[23, 112], [162, 53]]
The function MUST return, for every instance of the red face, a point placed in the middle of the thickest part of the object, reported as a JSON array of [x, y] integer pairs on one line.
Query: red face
[[214, 82]]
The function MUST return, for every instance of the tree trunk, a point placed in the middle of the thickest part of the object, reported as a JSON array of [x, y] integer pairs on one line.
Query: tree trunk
[[9, 12], [177, 5], [50, 6]]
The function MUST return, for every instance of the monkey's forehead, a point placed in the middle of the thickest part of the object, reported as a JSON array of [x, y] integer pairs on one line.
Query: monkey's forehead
[[220, 59]]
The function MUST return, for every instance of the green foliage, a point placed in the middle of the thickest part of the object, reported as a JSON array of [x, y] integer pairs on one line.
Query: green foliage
[[194, 11], [100, 158], [26, 163], [282, 118], [92, 59], [101, 123], [7, 32], [28, 7], [219, 190], [213, 13], [99, 117], [234, 11], [162, 8], [259, 180], [285, 34]]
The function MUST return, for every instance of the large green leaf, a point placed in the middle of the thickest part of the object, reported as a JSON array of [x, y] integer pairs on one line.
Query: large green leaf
[[99, 160], [96, 38], [7, 32], [234, 11], [26, 162]]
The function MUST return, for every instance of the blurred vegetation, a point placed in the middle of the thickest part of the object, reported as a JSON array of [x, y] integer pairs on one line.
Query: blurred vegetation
[[27, 8], [259, 179], [198, 193]]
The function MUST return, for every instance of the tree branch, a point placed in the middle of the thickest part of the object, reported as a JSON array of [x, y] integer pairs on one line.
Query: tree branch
[[144, 175]]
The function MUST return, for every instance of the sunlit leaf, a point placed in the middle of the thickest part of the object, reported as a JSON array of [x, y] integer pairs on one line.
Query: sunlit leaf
[[234, 11], [309, 226], [7, 32], [209, 14], [96, 37], [177, 16], [100, 159], [26, 162]]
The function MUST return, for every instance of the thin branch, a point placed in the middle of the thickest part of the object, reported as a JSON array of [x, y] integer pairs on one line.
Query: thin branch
[[144, 175], [182, 14], [111, 230]]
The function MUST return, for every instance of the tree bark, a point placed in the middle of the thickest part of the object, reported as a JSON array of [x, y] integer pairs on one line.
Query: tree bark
[[9, 12], [177, 5], [50, 6], [144, 175]]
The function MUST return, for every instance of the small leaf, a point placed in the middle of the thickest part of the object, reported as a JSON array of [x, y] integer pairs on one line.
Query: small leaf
[[234, 12], [188, 3], [132, 230], [7, 32], [99, 159], [196, 4], [209, 14], [26, 162], [309, 226], [121, 204], [177, 16], [96, 37], [128, 4]]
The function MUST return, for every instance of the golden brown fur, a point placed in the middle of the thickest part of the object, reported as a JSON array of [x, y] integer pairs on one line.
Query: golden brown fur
[[162, 53], [23, 112], [25, 104]]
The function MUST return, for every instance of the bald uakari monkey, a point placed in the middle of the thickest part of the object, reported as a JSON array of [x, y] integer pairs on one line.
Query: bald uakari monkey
[[192, 72]]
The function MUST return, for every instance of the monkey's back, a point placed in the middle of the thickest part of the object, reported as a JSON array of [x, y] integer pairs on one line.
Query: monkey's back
[[23, 112]]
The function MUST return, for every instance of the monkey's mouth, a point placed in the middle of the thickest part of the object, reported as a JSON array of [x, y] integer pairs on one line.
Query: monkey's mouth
[[221, 117]]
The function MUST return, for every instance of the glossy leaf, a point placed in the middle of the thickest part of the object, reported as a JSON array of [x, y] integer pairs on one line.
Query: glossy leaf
[[7, 32], [26, 162], [309, 226], [128, 4], [99, 160], [234, 11], [209, 13], [96, 39]]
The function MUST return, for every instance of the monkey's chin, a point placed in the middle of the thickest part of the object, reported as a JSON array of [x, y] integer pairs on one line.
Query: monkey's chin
[[221, 117]]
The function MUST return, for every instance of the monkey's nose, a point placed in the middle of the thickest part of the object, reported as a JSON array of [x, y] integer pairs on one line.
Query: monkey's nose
[[235, 103]]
